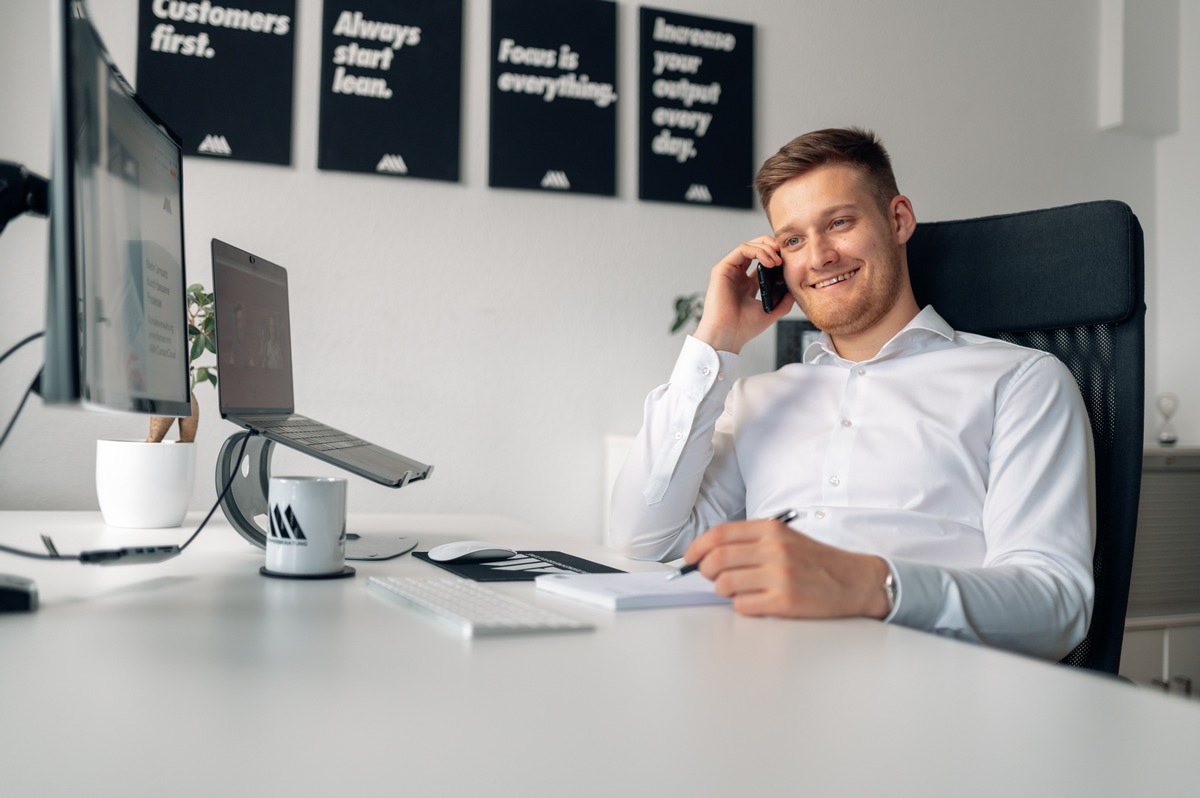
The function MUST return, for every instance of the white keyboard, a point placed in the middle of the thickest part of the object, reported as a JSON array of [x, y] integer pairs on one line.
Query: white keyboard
[[472, 609]]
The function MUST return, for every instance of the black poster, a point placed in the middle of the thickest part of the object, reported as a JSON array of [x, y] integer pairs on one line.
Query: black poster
[[696, 110], [554, 97], [220, 76], [391, 86]]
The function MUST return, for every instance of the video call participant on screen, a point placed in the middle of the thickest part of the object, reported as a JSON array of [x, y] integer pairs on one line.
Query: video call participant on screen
[[942, 478], [241, 351]]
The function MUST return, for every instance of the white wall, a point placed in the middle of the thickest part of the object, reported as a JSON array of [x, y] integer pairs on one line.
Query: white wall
[[559, 329], [1176, 288]]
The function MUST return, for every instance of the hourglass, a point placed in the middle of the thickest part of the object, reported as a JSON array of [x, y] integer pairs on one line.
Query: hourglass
[[1167, 405]]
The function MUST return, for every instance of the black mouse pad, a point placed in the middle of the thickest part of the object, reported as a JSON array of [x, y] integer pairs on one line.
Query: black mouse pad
[[525, 567]]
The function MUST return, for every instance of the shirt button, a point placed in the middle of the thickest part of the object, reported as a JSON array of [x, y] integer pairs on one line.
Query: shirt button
[[678, 436], [847, 423], [834, 481], [704, 370], [860, 371], [720, 375], [819, 514]]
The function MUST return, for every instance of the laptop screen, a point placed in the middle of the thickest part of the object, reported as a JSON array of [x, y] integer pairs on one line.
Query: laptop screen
[[254, 353]]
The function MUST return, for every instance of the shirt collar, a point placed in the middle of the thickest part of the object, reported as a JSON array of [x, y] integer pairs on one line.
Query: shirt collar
[[925, 324]]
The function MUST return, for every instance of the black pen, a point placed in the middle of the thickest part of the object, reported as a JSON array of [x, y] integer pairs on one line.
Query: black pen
[[785, 516]]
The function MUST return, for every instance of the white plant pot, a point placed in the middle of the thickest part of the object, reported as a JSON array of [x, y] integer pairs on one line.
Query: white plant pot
[[144, 485]]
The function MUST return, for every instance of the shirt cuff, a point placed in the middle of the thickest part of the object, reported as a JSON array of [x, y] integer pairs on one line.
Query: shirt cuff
[[926, 599], [700, 367]]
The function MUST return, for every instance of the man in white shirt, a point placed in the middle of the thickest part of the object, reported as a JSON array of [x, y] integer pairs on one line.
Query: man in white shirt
[[943, 479]]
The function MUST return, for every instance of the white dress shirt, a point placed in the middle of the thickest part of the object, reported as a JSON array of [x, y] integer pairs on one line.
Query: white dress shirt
[[964, 461]]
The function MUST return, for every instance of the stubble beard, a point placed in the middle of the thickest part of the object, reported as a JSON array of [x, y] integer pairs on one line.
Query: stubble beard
[[872, 300]]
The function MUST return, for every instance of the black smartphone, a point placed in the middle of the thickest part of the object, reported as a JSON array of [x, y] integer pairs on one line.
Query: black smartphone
[[771, 286]]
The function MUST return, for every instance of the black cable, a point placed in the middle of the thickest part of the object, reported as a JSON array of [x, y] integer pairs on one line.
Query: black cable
[[37, 555], [21, 406], [36, 380], [138, 554], [116, 554], [228, 484], [28, 340], [8, 428]]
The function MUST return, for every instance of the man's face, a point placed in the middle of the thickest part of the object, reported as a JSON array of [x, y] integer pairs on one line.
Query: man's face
[[841, 254]]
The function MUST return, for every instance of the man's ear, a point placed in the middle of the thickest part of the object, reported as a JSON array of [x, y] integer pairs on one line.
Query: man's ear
[[904, 221]]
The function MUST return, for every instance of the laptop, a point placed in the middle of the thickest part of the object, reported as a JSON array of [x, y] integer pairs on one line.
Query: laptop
[[254, 361]]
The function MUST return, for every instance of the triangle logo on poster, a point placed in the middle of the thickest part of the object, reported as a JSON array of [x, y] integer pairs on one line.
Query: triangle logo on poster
[[392, 164], [555, 179], [698, 192], [215, 145]]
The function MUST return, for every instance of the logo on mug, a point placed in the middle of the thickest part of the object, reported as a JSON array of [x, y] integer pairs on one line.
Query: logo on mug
[[285, 527]]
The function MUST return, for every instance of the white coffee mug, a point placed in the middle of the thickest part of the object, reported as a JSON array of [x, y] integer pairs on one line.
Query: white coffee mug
[[307, 526], [144, 485]]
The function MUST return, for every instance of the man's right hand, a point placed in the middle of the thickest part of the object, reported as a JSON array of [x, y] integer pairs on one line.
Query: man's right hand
[[733, 315]]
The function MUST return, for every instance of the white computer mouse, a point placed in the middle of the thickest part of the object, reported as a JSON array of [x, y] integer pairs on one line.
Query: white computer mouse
[[470, 551]]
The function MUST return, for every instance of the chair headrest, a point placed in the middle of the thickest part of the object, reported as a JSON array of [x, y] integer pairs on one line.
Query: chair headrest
[[1046, 269]]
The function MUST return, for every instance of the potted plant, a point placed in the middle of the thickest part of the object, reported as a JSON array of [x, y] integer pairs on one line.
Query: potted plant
[[687, 309], [792, 335], [148, 483], [201, 325]]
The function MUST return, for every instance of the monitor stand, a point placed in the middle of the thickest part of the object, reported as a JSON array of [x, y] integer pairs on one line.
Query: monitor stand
[[246, 501]]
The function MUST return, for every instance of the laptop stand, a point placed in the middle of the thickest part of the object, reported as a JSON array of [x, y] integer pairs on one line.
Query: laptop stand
[[246, 500]]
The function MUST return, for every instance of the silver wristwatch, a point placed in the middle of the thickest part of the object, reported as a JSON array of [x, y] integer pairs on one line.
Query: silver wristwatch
[[889, 590]]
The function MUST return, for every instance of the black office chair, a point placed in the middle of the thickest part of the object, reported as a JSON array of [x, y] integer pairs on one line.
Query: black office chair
[[1068, 281]]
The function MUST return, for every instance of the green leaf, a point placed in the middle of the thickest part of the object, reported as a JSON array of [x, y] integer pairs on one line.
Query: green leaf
[[210, 343], [687, 308], [212, 377], [197, 348]]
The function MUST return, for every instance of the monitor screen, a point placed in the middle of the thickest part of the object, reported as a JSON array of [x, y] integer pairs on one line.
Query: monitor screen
[[116, 336]]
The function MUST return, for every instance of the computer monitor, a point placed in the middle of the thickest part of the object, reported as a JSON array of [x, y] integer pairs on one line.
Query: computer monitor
[[116, 324]]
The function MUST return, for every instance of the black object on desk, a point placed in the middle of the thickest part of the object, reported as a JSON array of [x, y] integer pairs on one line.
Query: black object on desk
[[17, 594], [525, 567]]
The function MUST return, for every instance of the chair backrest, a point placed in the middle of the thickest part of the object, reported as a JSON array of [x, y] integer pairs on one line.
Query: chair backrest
[[1069, 281]]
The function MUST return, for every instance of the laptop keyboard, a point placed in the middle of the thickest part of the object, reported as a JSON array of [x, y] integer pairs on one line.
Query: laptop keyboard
[[311, 433]]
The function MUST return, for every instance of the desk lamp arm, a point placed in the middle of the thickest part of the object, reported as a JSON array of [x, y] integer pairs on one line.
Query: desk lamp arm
[[21, 191]]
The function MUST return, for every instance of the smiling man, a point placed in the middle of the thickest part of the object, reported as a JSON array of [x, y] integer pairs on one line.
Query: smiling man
[[942, 478]]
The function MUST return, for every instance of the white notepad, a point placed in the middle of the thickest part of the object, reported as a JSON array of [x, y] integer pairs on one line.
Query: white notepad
[[633, 591]]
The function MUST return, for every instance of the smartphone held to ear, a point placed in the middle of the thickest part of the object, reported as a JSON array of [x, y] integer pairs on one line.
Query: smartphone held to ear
[[771, 286]]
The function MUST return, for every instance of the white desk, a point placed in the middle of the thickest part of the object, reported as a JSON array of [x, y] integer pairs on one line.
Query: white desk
[[199, 677]]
